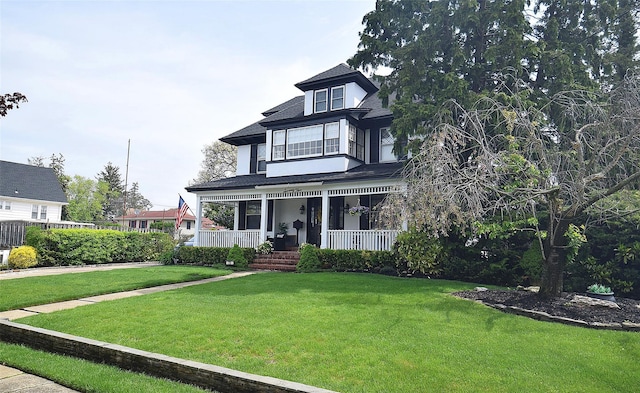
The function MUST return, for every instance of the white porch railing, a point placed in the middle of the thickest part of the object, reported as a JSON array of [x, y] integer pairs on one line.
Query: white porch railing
[[372, 240], [245, 239]]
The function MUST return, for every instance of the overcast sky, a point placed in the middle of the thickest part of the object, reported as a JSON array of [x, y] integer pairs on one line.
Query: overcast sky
[[170, 76]]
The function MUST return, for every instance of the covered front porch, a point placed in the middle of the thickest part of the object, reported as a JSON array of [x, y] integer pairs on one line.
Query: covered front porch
[[329, 216]]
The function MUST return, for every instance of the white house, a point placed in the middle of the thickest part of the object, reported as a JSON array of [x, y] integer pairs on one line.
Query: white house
[[30, 193], [307, 164]]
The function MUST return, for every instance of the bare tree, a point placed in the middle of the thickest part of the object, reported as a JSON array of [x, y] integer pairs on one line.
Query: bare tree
[[219, 162], [504, 158]]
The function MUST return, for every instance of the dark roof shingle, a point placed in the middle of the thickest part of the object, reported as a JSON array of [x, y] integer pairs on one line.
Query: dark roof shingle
[[30, 182]]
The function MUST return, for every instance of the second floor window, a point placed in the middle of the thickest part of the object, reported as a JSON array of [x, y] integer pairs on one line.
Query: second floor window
[[43, 212], [262, 158], [356, 142], [386, 145], [34, 212], [277, 150], [331, 138], [304, 142]]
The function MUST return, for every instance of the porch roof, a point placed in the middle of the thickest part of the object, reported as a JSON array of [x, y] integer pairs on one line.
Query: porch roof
[[363, 172]]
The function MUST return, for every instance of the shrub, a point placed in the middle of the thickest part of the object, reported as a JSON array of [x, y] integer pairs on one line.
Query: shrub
[[420, 250], [236, 255], [22, 257], [309, 261]]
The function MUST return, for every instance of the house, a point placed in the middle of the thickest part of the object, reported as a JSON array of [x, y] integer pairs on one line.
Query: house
[[143, 220], [308, 164], [30, 193]]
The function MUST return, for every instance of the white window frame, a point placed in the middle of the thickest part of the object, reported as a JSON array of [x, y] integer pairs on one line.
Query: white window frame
[[43, 212], [386, 149], [282, 147], [315, 100], [294, 142], [331, 144], [333, 89], [34, 212], [261, 157]]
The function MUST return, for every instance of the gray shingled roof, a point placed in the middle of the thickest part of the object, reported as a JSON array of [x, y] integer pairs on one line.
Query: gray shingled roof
[[30, 182], [339, 72], [362, 172]]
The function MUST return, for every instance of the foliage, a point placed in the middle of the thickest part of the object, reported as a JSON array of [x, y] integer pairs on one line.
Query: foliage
[[22, 257], [421, 251], [599, 288], [283, 228], [382, 262], [358, 210], [265, 248], [236, 255], [220, 214], [8, 101], [113, 203], [86, 199], [135, 200], [309, 261], [61, 247]]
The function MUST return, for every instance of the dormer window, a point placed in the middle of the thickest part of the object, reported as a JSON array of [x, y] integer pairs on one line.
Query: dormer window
[[320, 101], [337, 98]]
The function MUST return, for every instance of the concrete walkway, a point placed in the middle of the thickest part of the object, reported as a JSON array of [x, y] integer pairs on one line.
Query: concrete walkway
[[13, 380]]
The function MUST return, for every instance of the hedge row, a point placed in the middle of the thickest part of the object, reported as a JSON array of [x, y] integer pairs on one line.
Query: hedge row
[[61, 247], [208, 255]]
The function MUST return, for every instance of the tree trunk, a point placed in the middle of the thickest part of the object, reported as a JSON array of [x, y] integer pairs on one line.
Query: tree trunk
[[555, 258]]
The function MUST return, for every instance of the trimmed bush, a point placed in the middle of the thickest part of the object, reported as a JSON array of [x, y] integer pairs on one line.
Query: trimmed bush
[[309, 261], [22, 257], [59, 247], [236, 255], [421, 251]]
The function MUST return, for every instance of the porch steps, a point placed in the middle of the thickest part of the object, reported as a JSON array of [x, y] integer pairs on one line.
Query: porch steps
[[285, 261]]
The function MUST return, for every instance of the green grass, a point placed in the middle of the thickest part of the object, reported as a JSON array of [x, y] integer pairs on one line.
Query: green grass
[[30, 291], [361, 333], [86, 376]]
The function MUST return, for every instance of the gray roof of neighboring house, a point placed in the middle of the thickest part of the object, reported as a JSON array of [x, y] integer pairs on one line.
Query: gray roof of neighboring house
[[362, 172], [30, 182]]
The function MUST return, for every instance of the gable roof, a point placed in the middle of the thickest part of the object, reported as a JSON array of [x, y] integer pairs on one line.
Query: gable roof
[[30, 182]]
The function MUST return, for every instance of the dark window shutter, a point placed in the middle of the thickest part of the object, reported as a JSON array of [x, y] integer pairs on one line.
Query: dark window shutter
[[242, 212], [374, 152], [254, 158], [270, 215]]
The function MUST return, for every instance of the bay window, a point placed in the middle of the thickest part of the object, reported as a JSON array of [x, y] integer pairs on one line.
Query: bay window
[[304, 141], [277, 150], [331, 138]]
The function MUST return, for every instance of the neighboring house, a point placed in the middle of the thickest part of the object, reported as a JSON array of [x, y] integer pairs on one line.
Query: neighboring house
[[143, 220], [30, 193], [310, 160]]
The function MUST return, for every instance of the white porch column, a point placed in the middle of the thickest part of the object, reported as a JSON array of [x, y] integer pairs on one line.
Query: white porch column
[[196, 238], [236, 216], [324, 229], [264, 215]]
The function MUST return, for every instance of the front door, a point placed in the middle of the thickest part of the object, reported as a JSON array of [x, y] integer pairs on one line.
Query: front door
[[314, 220]]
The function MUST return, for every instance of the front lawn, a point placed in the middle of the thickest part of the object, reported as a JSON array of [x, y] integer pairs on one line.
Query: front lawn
[[361, 333], [31, 291]]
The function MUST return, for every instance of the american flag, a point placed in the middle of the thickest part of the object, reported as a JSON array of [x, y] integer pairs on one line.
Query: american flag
[[182, 210]]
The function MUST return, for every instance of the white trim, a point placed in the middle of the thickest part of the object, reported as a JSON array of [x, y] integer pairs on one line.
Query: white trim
[[326, 100], [344, 93]]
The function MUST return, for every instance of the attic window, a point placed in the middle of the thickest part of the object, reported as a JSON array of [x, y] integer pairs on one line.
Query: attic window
[[337, 98], [320, 101]]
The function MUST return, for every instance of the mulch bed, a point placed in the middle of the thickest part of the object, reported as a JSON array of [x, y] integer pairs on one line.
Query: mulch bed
[[629, 311]]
